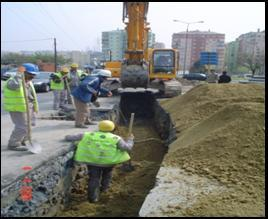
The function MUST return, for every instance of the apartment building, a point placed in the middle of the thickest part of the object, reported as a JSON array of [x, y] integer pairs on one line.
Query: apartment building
[[199, 41], [114, 44]]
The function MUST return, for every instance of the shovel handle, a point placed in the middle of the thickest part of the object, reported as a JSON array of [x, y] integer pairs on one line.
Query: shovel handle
[[27, 108], [131, 123], [69, 91]]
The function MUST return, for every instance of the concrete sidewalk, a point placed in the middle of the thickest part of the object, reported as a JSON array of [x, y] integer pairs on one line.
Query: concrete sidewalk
[[48, 133]]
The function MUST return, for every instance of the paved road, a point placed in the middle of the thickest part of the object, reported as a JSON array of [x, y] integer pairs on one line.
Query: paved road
[[45, 101]]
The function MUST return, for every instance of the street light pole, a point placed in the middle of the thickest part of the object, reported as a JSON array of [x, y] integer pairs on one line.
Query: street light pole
[[186, 40]]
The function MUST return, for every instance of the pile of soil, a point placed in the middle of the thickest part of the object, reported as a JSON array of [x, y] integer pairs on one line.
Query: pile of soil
[[220, 130], [128, 189]]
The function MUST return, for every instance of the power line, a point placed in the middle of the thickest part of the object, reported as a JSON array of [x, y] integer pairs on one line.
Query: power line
[[18, 41], [43, 8], [18, 14], [39, 24]]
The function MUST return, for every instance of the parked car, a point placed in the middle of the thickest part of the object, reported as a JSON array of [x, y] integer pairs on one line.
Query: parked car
[[6, 75], [195, 76], [41, 81]]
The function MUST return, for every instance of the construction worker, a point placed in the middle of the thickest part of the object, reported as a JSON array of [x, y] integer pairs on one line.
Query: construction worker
[[75, 76], [58, 86], [212, 77], [87, 92], [101, 151], [14, 103], [224, 78]]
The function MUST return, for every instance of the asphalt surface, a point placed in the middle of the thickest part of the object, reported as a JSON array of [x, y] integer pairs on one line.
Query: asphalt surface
[[45, 100]]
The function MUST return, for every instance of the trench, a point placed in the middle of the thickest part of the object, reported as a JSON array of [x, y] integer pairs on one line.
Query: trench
[[152, 131], [59, 187]]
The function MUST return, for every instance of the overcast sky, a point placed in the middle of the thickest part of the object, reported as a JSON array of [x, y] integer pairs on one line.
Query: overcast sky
[[78, 26]]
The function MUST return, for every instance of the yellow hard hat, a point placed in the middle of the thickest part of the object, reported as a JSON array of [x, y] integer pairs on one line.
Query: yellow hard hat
[[74, 65], [106, 126], [64, 69]]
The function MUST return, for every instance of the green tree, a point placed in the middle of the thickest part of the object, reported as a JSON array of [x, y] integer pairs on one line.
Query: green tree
[[18, 59]]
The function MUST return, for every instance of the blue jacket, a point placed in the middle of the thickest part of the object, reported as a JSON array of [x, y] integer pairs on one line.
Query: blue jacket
[[86, 88]]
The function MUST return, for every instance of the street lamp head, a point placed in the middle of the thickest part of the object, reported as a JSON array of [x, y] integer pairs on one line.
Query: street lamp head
[[175, 20]]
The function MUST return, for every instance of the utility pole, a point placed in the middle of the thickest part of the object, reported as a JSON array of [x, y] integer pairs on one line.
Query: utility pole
[[55, 54]]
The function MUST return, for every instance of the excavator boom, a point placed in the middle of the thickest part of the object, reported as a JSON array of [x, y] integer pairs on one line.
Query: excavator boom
[[135, 71]]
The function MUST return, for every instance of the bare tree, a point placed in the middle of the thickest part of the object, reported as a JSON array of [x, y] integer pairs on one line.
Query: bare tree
[[253, 63]]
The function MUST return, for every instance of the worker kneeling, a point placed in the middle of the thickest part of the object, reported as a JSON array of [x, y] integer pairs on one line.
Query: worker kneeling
[[101, 151]]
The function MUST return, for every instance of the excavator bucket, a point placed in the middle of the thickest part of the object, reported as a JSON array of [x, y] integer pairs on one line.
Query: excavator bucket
[[134, 76]]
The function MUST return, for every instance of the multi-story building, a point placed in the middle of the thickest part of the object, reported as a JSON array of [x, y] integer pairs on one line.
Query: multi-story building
[[250, 44], [114, 44], [199, 41], [253, 44], [159, 45], [230, 60]]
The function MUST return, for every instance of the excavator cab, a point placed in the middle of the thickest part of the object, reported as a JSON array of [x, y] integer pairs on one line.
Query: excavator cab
[[163, 63]]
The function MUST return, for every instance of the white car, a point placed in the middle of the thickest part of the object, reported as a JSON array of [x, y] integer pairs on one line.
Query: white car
[[10, 73]]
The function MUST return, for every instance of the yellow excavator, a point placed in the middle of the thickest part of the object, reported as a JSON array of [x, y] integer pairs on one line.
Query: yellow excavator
[[144, 67]]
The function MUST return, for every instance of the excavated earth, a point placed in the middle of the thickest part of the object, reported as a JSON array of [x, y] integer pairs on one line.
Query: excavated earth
[[220, 133]]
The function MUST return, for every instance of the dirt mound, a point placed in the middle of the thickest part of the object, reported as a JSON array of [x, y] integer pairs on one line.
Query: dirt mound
[[221, 133]]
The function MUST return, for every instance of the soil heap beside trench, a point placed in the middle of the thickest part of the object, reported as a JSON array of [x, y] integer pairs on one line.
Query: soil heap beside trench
[[221, 130]]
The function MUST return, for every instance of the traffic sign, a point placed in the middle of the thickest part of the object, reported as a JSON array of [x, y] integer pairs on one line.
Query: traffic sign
[[208, 58]]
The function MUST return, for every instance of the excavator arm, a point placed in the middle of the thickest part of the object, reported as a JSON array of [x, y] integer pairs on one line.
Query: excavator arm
[[135, 71]]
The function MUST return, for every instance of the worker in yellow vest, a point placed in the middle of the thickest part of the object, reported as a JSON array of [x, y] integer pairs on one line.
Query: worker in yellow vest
[[75, 76], [101, 151], [14, 103], [58, 86]]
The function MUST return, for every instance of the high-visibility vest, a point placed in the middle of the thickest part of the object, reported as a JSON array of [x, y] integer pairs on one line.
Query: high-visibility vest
[[57, 86], [100, 149], [14, 100], [80, 73]]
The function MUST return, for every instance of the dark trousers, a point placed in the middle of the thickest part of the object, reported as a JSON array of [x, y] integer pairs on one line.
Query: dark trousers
[[98, 176]]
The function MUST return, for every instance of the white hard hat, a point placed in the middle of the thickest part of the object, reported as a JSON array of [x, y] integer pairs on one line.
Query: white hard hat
[[104, 73]]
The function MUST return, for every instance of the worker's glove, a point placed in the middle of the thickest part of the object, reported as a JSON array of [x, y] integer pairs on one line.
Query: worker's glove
[[55, 78], [14, 83], [96, 103], [94, 97], [109, 94], [82, 77], [131, 137]]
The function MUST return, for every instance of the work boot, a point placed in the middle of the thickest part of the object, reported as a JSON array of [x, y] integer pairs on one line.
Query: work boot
[[94, 196], [89, 122], [104, 189], [81, 126], [17, 148]]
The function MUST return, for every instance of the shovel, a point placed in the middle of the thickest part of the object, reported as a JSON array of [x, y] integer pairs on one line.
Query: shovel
[[33, 147], [128, 167], [69, 92]]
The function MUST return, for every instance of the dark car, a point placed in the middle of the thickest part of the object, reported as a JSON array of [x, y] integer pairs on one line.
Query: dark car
[[195, 76], [41, 81]]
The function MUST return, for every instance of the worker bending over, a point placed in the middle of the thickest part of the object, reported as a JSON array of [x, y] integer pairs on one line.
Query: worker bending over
[[101, 151], [87, 92]]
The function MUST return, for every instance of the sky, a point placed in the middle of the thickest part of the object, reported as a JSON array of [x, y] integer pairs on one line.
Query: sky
[[78, 25]]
